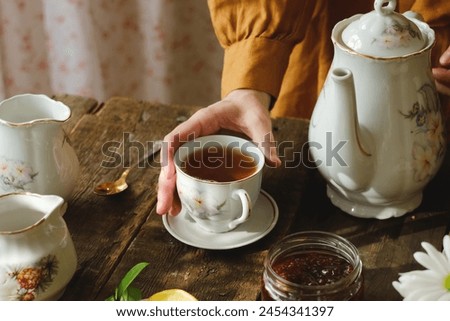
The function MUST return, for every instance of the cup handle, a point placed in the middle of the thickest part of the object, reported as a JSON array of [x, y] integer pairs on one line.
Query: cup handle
[[246, 207]]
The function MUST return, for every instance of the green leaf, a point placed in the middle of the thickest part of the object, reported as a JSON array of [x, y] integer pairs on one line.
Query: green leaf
[[124, 292], [132, 294]]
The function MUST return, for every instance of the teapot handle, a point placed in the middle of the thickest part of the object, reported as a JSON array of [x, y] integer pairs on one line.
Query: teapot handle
[[385, 10]]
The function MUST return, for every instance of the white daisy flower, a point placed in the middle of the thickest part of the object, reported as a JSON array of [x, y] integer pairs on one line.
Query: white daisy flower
[[432, 284]]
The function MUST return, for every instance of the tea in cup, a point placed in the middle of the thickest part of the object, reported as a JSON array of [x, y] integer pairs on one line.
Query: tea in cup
[[219, 180]]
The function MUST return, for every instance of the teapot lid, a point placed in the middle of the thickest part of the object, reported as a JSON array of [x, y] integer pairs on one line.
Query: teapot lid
[[383, 33]]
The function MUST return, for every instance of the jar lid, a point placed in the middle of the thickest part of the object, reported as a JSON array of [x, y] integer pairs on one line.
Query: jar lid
[[383, 33]]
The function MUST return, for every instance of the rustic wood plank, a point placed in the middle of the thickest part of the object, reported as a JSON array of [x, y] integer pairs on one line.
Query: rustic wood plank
[[79, 106], [104, 227]]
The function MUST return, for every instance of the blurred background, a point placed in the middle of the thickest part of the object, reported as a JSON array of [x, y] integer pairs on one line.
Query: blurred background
[[156, 50]]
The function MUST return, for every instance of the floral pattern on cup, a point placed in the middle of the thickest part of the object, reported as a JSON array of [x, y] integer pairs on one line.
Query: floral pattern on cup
[[33, 279], [198, 204], [15, 175], [429, 145], [396, 35]]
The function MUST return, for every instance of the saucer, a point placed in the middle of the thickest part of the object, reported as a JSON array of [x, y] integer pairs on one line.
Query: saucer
[[262, 220]]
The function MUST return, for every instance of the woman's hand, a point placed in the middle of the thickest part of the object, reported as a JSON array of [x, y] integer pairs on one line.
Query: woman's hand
[[442, 74], [243, 110]]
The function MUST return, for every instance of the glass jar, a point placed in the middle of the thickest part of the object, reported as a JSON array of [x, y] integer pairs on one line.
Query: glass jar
[[312, 266]]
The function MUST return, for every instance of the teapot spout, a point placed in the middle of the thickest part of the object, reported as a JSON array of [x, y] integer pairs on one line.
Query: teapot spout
[[356, 173]]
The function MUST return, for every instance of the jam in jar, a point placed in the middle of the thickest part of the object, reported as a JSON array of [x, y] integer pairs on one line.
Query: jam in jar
[[312, 266]]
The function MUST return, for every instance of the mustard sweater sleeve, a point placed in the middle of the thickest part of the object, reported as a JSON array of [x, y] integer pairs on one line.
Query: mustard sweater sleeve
[[435, 12], [258, 37]]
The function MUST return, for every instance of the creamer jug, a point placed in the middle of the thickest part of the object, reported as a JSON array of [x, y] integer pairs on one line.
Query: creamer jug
[[37, 255], [35, 154]]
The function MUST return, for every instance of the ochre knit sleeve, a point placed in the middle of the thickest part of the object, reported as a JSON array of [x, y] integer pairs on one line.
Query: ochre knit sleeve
[[435, 12], [258, 37]]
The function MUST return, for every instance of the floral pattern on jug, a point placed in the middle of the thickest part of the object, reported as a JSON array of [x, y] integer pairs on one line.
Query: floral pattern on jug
[[199, 205], [32, 133], [31, 280], [429, 143], [15, 175]]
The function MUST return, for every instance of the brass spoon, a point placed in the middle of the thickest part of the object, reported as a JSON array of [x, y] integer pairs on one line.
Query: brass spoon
[[119, 185]]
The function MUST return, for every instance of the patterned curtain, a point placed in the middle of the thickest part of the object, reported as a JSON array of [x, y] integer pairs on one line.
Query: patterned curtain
[[157, 50]]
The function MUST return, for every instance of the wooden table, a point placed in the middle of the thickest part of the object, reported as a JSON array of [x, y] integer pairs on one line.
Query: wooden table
[[111, 234]]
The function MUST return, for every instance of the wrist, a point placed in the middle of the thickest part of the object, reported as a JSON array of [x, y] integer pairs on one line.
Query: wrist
[[245, 94]]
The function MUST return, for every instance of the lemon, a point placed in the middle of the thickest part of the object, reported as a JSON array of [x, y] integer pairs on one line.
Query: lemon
[[172, 295]]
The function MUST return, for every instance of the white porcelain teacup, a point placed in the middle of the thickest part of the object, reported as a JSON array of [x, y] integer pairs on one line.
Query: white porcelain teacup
[[219, 180]]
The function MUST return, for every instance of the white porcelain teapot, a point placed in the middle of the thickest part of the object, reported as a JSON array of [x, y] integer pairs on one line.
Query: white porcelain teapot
[[376, 133], [35, 154], [37, 255]]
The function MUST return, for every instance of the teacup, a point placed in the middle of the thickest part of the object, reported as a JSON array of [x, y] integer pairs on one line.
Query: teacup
[[219, 180]]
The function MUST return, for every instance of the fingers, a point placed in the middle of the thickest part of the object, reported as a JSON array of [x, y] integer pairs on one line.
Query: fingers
[[176, 205], [445, 90], [270, 151], [199, 124], [256, 123], [442, 77], [167, 177], [442, 74], [262, 135], [444, 60], [166, 191]]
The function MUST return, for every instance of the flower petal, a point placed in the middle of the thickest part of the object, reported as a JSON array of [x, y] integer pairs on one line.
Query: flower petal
[[427, 284], [445, 297], [403, 289], [422, 274], [406, 288], [414, 284], [433, 295], [414, 295], [429, 262], [446, 250], [438, 257]]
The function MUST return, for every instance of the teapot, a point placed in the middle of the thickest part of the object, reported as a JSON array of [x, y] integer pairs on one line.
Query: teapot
[[37, 255], [35, 152], [377, 133]]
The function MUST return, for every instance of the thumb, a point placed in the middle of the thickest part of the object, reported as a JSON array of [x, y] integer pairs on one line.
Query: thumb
[[444, 60], [269, 148], [262, 135]]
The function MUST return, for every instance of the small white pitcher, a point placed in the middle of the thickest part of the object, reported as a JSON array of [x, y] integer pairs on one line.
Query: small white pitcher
[[37, 255], [35, 154]]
